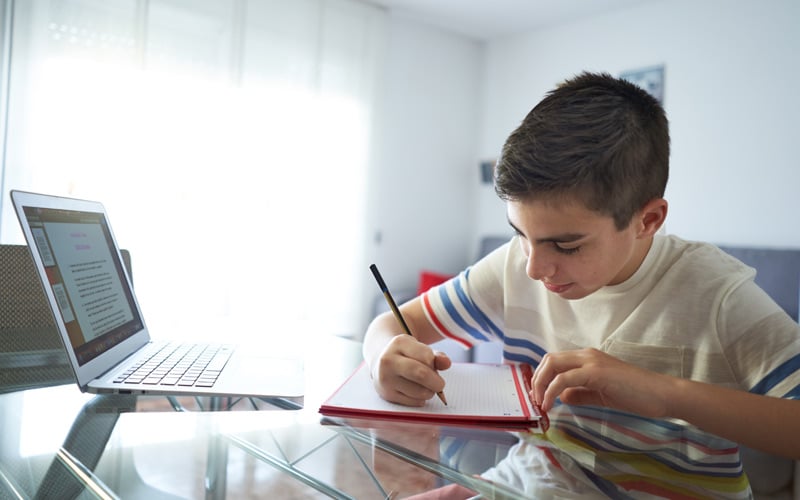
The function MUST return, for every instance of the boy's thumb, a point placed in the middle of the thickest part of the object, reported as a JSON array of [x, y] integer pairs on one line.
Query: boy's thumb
[[441, 361]]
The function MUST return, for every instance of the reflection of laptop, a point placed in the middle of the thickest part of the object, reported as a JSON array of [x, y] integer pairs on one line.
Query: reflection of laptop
[[101, 325]]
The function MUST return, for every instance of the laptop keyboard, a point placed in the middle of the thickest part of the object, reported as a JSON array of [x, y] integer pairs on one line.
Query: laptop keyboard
[[182, 365]]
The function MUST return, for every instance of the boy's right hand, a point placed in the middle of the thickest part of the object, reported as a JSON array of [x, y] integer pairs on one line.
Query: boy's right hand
[[406, 371]]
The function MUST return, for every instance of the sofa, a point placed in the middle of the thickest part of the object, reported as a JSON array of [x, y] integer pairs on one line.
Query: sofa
[[777, 272]]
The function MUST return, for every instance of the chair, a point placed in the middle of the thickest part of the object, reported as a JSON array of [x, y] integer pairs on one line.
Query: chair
[[31, 351]]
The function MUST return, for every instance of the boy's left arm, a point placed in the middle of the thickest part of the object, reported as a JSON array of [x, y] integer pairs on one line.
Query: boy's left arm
[[761, 422], [591, 377]]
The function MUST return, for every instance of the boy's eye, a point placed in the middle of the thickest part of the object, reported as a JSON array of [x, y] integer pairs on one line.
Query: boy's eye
[[566, 251]]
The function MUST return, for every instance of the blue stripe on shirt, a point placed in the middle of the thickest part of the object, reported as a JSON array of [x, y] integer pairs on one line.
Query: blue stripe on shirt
[[777, 375], [793, 394], [520, 358], [475, 313], [663, 454], [486, 325], [471, 309], [525, 344], [633, 421]]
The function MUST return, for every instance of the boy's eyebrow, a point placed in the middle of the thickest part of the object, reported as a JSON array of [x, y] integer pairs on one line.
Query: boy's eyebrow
[[559, 238]]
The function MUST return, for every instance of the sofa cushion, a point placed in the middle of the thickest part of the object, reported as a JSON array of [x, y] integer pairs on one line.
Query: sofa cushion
[[429, 279]]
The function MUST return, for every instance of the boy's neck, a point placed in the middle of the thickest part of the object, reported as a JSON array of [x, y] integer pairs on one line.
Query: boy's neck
[[640, 251]]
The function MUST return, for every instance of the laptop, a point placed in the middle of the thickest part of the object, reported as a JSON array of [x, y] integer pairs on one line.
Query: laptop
[[101, 324]]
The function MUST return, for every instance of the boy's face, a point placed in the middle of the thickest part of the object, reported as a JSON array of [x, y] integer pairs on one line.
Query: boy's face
[[574, 251]]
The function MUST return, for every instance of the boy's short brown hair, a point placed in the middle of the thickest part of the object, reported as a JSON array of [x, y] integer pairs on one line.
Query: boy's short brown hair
[[595, 137]]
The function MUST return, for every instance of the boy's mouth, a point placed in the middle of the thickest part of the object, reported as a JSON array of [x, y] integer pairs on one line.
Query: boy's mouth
[[557, 288]]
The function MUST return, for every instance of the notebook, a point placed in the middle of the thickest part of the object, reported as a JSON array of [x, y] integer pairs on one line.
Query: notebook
[[478, 395], [101, 324]]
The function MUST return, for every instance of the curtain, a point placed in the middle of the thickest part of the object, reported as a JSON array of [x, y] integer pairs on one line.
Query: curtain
[[229, 140]]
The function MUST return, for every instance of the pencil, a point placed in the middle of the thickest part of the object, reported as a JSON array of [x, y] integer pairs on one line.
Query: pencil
[[396, 312]]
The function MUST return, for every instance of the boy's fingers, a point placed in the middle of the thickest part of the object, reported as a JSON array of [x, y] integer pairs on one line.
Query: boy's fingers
[[555, 373], [423, 375], [542, 377], [441, 361]]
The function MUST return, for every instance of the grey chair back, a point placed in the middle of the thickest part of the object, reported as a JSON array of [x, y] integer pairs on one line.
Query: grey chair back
[[777, 273], [31, 352]]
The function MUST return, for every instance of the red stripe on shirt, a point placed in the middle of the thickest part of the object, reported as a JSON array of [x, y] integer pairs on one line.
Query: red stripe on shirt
[[447, 333]]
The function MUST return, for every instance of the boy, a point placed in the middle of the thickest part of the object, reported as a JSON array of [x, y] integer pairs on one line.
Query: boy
[[607, 311]]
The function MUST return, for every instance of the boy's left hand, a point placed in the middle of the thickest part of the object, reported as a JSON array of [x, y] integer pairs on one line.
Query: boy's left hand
[[592, 377]]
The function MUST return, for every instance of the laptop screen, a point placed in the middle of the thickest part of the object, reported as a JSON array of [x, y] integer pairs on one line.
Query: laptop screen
[[87, 278]]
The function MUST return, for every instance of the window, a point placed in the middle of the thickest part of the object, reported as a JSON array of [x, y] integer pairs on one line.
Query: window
[[228, 140]]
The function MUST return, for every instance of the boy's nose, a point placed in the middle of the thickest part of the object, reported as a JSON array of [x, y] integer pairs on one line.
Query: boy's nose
[[539, 266]]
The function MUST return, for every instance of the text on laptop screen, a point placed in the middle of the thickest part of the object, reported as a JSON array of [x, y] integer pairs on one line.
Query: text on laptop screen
[[86, 277]]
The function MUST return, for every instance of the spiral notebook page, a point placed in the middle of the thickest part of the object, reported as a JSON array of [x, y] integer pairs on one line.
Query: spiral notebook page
[[473, 391]]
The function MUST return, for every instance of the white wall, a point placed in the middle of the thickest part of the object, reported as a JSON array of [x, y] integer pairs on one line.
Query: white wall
[[426, 154], [731, 94]]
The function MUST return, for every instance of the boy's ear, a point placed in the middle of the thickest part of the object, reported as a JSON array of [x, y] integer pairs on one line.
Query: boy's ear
[[652, 216]]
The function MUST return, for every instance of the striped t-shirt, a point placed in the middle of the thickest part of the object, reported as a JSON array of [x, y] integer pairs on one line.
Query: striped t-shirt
[[690, 310]]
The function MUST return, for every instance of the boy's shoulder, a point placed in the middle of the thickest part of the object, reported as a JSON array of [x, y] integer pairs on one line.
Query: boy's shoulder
[[700, 259]]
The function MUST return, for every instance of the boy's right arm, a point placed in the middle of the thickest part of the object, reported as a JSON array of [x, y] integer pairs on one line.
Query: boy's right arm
[[404, 368]]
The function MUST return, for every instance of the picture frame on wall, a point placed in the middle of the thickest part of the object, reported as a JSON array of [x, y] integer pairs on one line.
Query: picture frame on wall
[[487, 171], [650, 79]]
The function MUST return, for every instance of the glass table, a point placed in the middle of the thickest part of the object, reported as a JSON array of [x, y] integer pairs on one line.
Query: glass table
[[60, 443]]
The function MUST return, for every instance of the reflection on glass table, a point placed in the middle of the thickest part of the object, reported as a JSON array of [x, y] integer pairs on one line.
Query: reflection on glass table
[[59, 443], [586, 453], [604, 453]]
